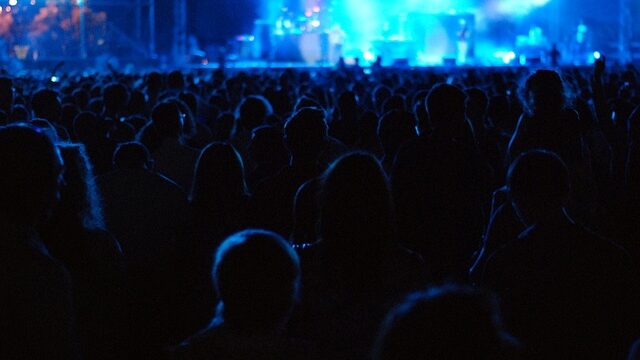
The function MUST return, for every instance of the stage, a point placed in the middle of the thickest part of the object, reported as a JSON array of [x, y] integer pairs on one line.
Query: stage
[[317, 33]]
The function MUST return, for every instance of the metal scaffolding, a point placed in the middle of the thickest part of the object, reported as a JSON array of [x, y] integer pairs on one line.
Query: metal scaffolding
[[141, 40], [179, 35]]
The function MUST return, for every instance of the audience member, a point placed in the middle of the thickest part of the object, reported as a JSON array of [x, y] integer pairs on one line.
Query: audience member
[[561, 270], [449, 322], [438, 188], [492, 183], [172, 158], [305, 136], [75, 234], [256, 275], [357, 269], [38, 318]]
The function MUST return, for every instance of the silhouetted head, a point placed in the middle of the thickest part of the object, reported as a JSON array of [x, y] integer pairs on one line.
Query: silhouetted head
[[81, 98], [131, 156], [380, 95], [19, 113], [306, 102], [121, 132], [137, 121], [446, 108], [394, 129], [67, 114], [222, 127], [190, 100], [305, 134], [544, 93], [79, 199], [167, 120], [356, 209], [96, 106], [348, 102], [46, 104], [86, 127], [175, 80], [256, 274], [450, 323], [31, 173], [266, 146], [149, 137], [137, 103], [395, 102], [154, 81], [116, 98], [539, 185], [218, 177], [252, 112]]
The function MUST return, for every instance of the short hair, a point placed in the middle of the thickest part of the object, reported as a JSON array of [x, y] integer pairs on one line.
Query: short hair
[[380, 94], [256, 274], [115, 96], [19, 113], [167, 119], [86, 125], [131, 155], [252, 112], [31, 168], [305, 102], [539, 179], [449, 322], [175, 80], [46, 104]]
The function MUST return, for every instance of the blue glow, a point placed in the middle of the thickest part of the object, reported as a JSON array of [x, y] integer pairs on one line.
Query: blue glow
[[367, 22]]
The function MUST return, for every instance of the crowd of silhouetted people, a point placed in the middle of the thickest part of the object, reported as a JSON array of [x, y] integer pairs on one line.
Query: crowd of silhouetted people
[[321, 214]]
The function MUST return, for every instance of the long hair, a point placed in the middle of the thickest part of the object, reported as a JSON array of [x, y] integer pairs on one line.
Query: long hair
[[544, 92], [356, 207], [79, 195]]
